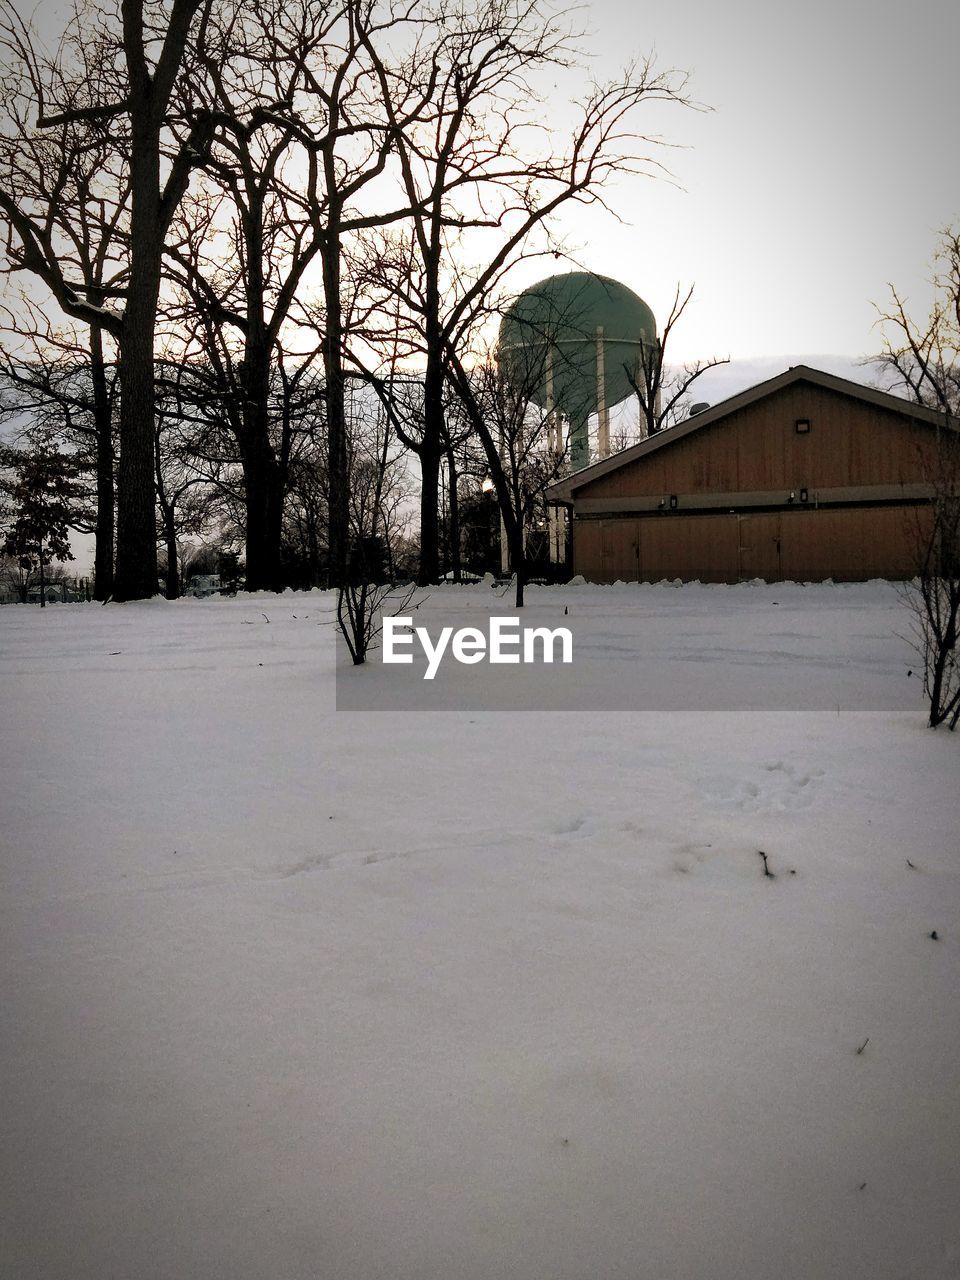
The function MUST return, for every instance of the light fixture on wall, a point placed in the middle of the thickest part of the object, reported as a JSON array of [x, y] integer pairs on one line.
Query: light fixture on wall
[[792, 496]]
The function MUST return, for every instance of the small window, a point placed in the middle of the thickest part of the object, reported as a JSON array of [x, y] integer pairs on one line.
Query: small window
[[802, 426]]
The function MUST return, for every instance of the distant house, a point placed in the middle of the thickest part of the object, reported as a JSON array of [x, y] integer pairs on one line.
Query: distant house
[[203, 584], [58, 592], [806, 476], [53, 593]]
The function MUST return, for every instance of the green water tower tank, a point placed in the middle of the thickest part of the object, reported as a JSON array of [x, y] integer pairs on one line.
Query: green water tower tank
[[577, 335]]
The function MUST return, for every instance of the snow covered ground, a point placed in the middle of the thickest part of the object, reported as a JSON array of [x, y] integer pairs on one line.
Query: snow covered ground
[[295, 993]]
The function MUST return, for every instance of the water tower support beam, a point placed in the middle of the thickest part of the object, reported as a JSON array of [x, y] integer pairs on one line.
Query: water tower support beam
[[553, 446], [504, 546], [603, 413]]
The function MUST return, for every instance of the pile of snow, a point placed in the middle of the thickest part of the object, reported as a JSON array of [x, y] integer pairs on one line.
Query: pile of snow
[[483, 995]]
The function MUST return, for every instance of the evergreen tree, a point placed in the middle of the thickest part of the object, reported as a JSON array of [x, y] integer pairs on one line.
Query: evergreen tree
[[45, 497]]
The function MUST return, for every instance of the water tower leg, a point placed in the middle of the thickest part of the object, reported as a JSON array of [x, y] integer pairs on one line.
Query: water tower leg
[[553, 453], [551, 423], [603, 413], [552, 532]]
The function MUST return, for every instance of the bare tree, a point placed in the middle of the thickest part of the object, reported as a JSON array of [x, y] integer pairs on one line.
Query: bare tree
[[68, 178], [183, 491], [923, 361], [365, 109], [935, 595], [131, 86], [663, 392], [367, 588], [244, 241], [522, 442], [481, 163], [301, 139]]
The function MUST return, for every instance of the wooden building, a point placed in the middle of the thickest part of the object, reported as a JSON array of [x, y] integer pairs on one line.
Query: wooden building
[[804, 477]]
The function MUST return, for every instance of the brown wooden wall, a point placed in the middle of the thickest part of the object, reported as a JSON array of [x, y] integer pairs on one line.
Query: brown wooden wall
[[850, 443], [800, 545]]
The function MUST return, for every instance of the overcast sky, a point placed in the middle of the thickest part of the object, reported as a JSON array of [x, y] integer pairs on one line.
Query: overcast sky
[[825, 169]]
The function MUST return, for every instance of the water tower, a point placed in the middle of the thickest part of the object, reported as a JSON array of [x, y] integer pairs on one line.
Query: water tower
[[568, 344]]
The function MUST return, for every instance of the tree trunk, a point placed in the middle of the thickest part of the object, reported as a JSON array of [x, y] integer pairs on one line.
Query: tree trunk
[[173, 568], [338, 478], [429, 515], [264, 478], [454, 517], [430, 453], [136, 567], [136, 571], [264, 503], [518, 557], [103, 425]]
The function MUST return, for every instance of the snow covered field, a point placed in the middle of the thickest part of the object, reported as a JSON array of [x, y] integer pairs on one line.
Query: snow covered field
[[294, 993]]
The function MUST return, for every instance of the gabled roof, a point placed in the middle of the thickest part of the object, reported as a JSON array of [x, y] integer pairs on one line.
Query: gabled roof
[[562, 490]]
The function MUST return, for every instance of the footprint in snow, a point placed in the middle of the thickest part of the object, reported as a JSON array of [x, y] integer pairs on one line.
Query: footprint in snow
[[689, 856], [775, 787], [580, 825], [326, 861], [315, 862]]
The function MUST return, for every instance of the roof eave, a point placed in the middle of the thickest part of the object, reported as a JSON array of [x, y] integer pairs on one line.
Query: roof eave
[[563, 490]]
